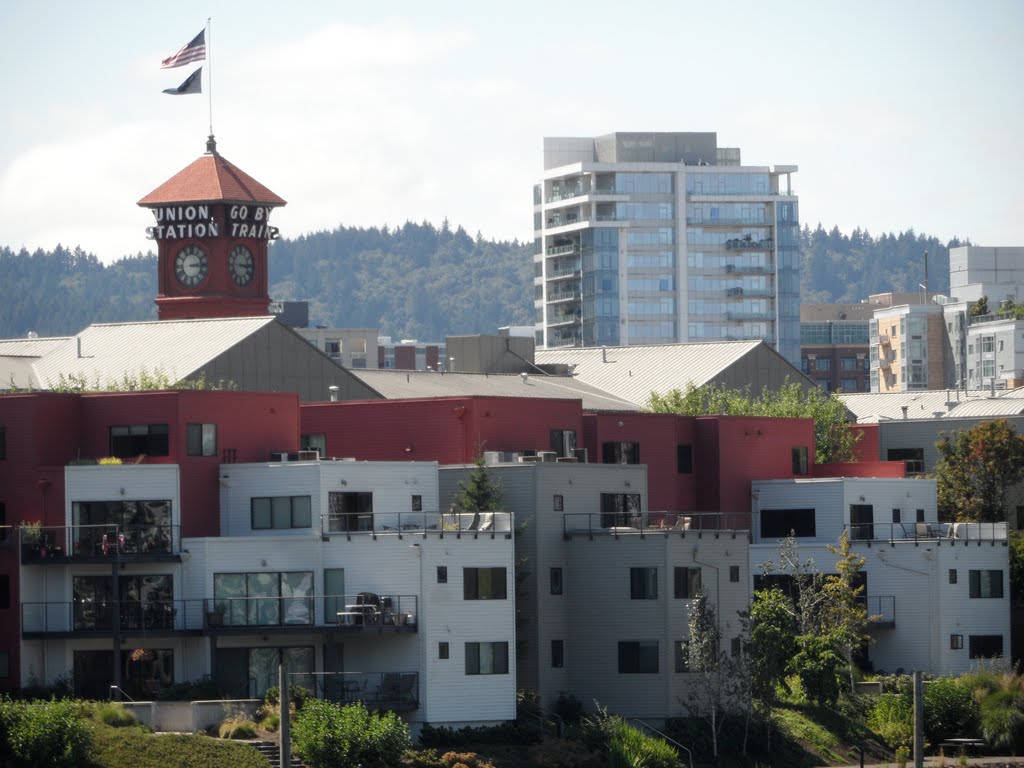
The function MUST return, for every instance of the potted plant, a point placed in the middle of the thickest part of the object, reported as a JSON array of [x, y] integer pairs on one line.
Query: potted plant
[[33, 540]]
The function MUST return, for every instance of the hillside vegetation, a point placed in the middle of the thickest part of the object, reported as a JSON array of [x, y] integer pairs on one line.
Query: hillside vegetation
[[414, 281]]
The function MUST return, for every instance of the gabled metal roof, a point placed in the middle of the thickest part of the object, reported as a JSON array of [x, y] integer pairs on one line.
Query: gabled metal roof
[[872, 407], [106, 353], [404, 385], [633, 372]]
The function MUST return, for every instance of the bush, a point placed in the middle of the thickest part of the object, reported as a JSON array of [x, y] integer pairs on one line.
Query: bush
[[1002, 720], [565, 754], [115, 715], [892, 718], [465, 760], [52, 734], [237, 727], [422, 758], [950, 710], [568, 708], [504, 733], [328, 736], [203, 689]]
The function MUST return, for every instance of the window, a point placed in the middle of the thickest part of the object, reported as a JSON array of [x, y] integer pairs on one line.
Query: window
[[895, 515], [557, 654], [620, 453], [643, 583], [686, 582], [417, 503], [201, 439], [988, 583], [5, 664], [487, 658], [780, 523], [862, 522], [145, 602], [734, 647], [823, 364], [5, 591], [442, 574], [146, 525], [563, 441], [800, 460], [264, 599], [912, 457], [734, 573], [556, 581], [952, 575], [281, 512], [620, 509], [684, 459], [349, 511], [558, 502], [3, 443], [848, 363], [316, 442], [139, 440], [920, 515], [333, 348], [956, 642], [334, 594], [5, 532], [442, 650], [638, 657], [484, 584], [682, 654], [985, 646]]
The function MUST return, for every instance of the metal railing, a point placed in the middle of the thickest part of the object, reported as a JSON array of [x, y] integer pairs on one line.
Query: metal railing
[[653, 523], [743, 244], [375, 690], [89, 542], [99, 616], [560, 250], [927, 531], [383, 523], [360, 609]]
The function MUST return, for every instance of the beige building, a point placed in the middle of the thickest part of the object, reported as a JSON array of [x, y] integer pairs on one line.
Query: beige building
[[908, 348]]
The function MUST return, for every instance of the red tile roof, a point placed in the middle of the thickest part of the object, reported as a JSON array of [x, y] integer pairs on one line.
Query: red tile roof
[[211, 179]]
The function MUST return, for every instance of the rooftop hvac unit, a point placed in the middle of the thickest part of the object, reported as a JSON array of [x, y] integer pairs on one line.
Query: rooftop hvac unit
[[529, 459], [493, 457], [580, 454], [566, 459], [309, 455], [279, 456], [547, 455]]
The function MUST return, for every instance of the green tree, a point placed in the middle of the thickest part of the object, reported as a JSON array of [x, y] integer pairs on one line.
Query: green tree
[[478, 493], [773, 629], [845, 611], [978, 308], [975, 468], [834, 441]]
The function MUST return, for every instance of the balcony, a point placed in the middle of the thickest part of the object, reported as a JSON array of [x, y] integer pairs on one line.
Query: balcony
[[565, 272], [83, 544], [564, 321], [394, 691], [752, 316], [629, 523], [881, 610], [365, 612], [371, 524], [749, 244], [102, 618], [561, 250], [565, 341], [931, 532], [559, 296], [739, 269]]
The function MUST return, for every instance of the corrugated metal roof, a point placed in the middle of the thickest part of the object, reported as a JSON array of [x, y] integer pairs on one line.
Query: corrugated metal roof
[[17, 357], [177, 348], [35, 347], [872, 407], [404, 385], [634, 372]]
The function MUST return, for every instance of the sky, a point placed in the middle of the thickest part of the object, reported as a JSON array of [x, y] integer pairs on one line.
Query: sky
[[900, 114]]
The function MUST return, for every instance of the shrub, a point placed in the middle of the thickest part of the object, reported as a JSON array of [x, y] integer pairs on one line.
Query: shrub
[[1002, 720], [237, 727], [950, 710], [568, 708], [902, 756], [36, 734], [565, 754], [465, 760], [422, 758], [504, 733], [892, 718], [271, 721], [115, 715], [326, 735]]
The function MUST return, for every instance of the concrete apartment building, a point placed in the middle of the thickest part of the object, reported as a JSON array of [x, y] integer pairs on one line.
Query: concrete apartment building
[[908, 345], [649, 238]]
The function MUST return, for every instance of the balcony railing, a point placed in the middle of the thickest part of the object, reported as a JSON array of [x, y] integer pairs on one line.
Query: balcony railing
[[88, 616], [397, 691], [881, 610], [421, 523], [564, 320], [565, 341], [88, 543], [563, 296], [653, 523], [573, 270], [559, 250], [932, 532], [364, 609], [749, 244]]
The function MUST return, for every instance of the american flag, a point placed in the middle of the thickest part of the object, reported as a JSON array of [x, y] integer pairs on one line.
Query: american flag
[[194, 51]]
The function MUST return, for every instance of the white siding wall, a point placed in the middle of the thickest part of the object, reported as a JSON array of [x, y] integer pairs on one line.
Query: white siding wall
[[122, 482]]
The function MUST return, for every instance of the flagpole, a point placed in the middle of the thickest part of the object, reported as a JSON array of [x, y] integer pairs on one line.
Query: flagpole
[[209, 67]]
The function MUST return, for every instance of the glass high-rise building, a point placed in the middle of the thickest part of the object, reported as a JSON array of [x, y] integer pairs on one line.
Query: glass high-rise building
[[649, 238]]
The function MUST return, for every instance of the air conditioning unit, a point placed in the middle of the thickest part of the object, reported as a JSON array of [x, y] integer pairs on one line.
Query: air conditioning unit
[[279, 456], [529, 459], [309, 455], [566, 460], [547, 455], [493, 457], [580, 454]]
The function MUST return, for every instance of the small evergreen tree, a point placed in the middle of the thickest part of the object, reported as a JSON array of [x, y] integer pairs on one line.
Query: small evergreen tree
[[478, 493]]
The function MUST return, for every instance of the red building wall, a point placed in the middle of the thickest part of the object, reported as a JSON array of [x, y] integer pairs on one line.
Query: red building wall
[[866, 448], [405, 357]]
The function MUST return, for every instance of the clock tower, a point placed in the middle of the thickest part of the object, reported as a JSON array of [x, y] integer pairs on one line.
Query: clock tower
[[212, 228]]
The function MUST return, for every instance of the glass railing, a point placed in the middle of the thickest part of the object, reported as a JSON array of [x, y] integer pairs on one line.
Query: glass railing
[[381, 523], [98, 615], [749, 244], [632, 522], [356, 610], [881, 609], [929, 531], [558, 250]]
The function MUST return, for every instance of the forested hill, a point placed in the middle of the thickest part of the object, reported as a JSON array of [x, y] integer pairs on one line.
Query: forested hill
[[414, 281]]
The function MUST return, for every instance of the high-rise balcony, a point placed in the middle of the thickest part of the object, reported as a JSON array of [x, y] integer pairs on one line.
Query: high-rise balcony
[[747, 243]]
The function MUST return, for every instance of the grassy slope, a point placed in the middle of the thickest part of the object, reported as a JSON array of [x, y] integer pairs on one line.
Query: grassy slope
[[137, 748], [811, 735]]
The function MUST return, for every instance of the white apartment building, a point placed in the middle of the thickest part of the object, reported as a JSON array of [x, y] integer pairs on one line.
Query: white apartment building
[[345, 570], [647, 238], [939, 593]]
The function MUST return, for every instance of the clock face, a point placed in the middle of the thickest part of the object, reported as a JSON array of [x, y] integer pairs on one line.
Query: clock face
[[190, 266], [241, 265]]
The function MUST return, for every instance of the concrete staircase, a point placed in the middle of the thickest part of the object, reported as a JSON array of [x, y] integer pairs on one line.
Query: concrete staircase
[[271, 751]]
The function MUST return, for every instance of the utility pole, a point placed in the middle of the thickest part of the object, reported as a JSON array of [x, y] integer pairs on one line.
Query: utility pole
[[918, 720], [286, 734]]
